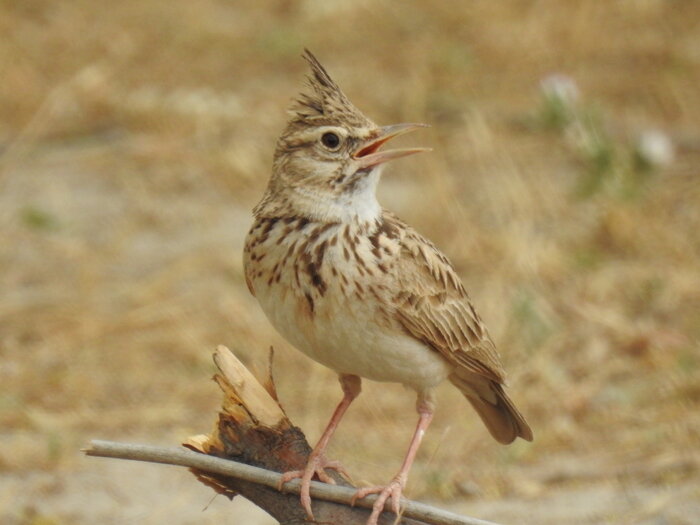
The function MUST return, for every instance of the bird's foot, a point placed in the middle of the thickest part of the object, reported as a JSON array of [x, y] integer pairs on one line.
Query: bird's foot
[[393, 490], [316, 466]]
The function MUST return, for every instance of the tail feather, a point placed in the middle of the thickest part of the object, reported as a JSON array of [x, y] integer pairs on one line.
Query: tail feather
[[497, 411]]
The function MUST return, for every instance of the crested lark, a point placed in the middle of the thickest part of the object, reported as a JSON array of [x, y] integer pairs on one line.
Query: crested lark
[[358, 290]]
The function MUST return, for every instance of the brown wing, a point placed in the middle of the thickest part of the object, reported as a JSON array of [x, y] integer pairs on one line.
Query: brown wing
[[435, 308]]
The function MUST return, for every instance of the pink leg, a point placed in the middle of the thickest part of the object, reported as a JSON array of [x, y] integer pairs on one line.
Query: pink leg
[[395, 487], [317, 460]]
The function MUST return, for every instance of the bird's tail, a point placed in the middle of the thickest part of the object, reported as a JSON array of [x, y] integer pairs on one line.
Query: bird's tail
[[497, 411]]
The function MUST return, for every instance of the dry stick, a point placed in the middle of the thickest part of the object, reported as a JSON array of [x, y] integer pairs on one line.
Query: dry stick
[[323, 491]]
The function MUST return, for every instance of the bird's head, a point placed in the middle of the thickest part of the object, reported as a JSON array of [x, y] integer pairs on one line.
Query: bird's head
[[327, 161]]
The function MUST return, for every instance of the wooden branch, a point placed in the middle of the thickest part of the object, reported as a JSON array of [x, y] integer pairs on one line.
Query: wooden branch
[[267, 478], [252, 442]]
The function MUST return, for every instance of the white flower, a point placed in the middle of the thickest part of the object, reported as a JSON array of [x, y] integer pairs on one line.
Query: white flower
[[655, 148], [561, 88]]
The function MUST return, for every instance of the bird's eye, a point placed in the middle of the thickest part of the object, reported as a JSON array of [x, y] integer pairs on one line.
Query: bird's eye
[[330, 140]]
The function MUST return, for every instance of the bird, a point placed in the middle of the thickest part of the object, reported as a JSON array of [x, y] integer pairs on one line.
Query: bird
[[357, 289]]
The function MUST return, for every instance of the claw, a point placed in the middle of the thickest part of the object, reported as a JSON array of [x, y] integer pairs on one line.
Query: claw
[[316, 466], [289, 476], [339, 468], [393, 490]]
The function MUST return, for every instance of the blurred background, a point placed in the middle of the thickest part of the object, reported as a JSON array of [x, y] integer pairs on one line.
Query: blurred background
[[135, 138]]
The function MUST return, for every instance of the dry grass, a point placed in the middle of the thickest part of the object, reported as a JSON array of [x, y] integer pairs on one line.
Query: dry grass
[[136, 138]]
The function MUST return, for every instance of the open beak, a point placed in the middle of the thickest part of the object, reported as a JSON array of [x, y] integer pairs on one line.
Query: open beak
[[367, 155]]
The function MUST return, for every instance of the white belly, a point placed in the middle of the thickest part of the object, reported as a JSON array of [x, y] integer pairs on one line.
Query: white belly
[[346, 337]]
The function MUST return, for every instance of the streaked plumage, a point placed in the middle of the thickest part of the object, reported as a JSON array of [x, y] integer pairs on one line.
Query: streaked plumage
[[354, 287]]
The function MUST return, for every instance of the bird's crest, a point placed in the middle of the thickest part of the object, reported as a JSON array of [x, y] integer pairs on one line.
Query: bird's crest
[[325, 103]]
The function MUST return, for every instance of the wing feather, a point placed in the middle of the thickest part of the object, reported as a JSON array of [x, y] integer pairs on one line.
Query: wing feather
[[436, 309]]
